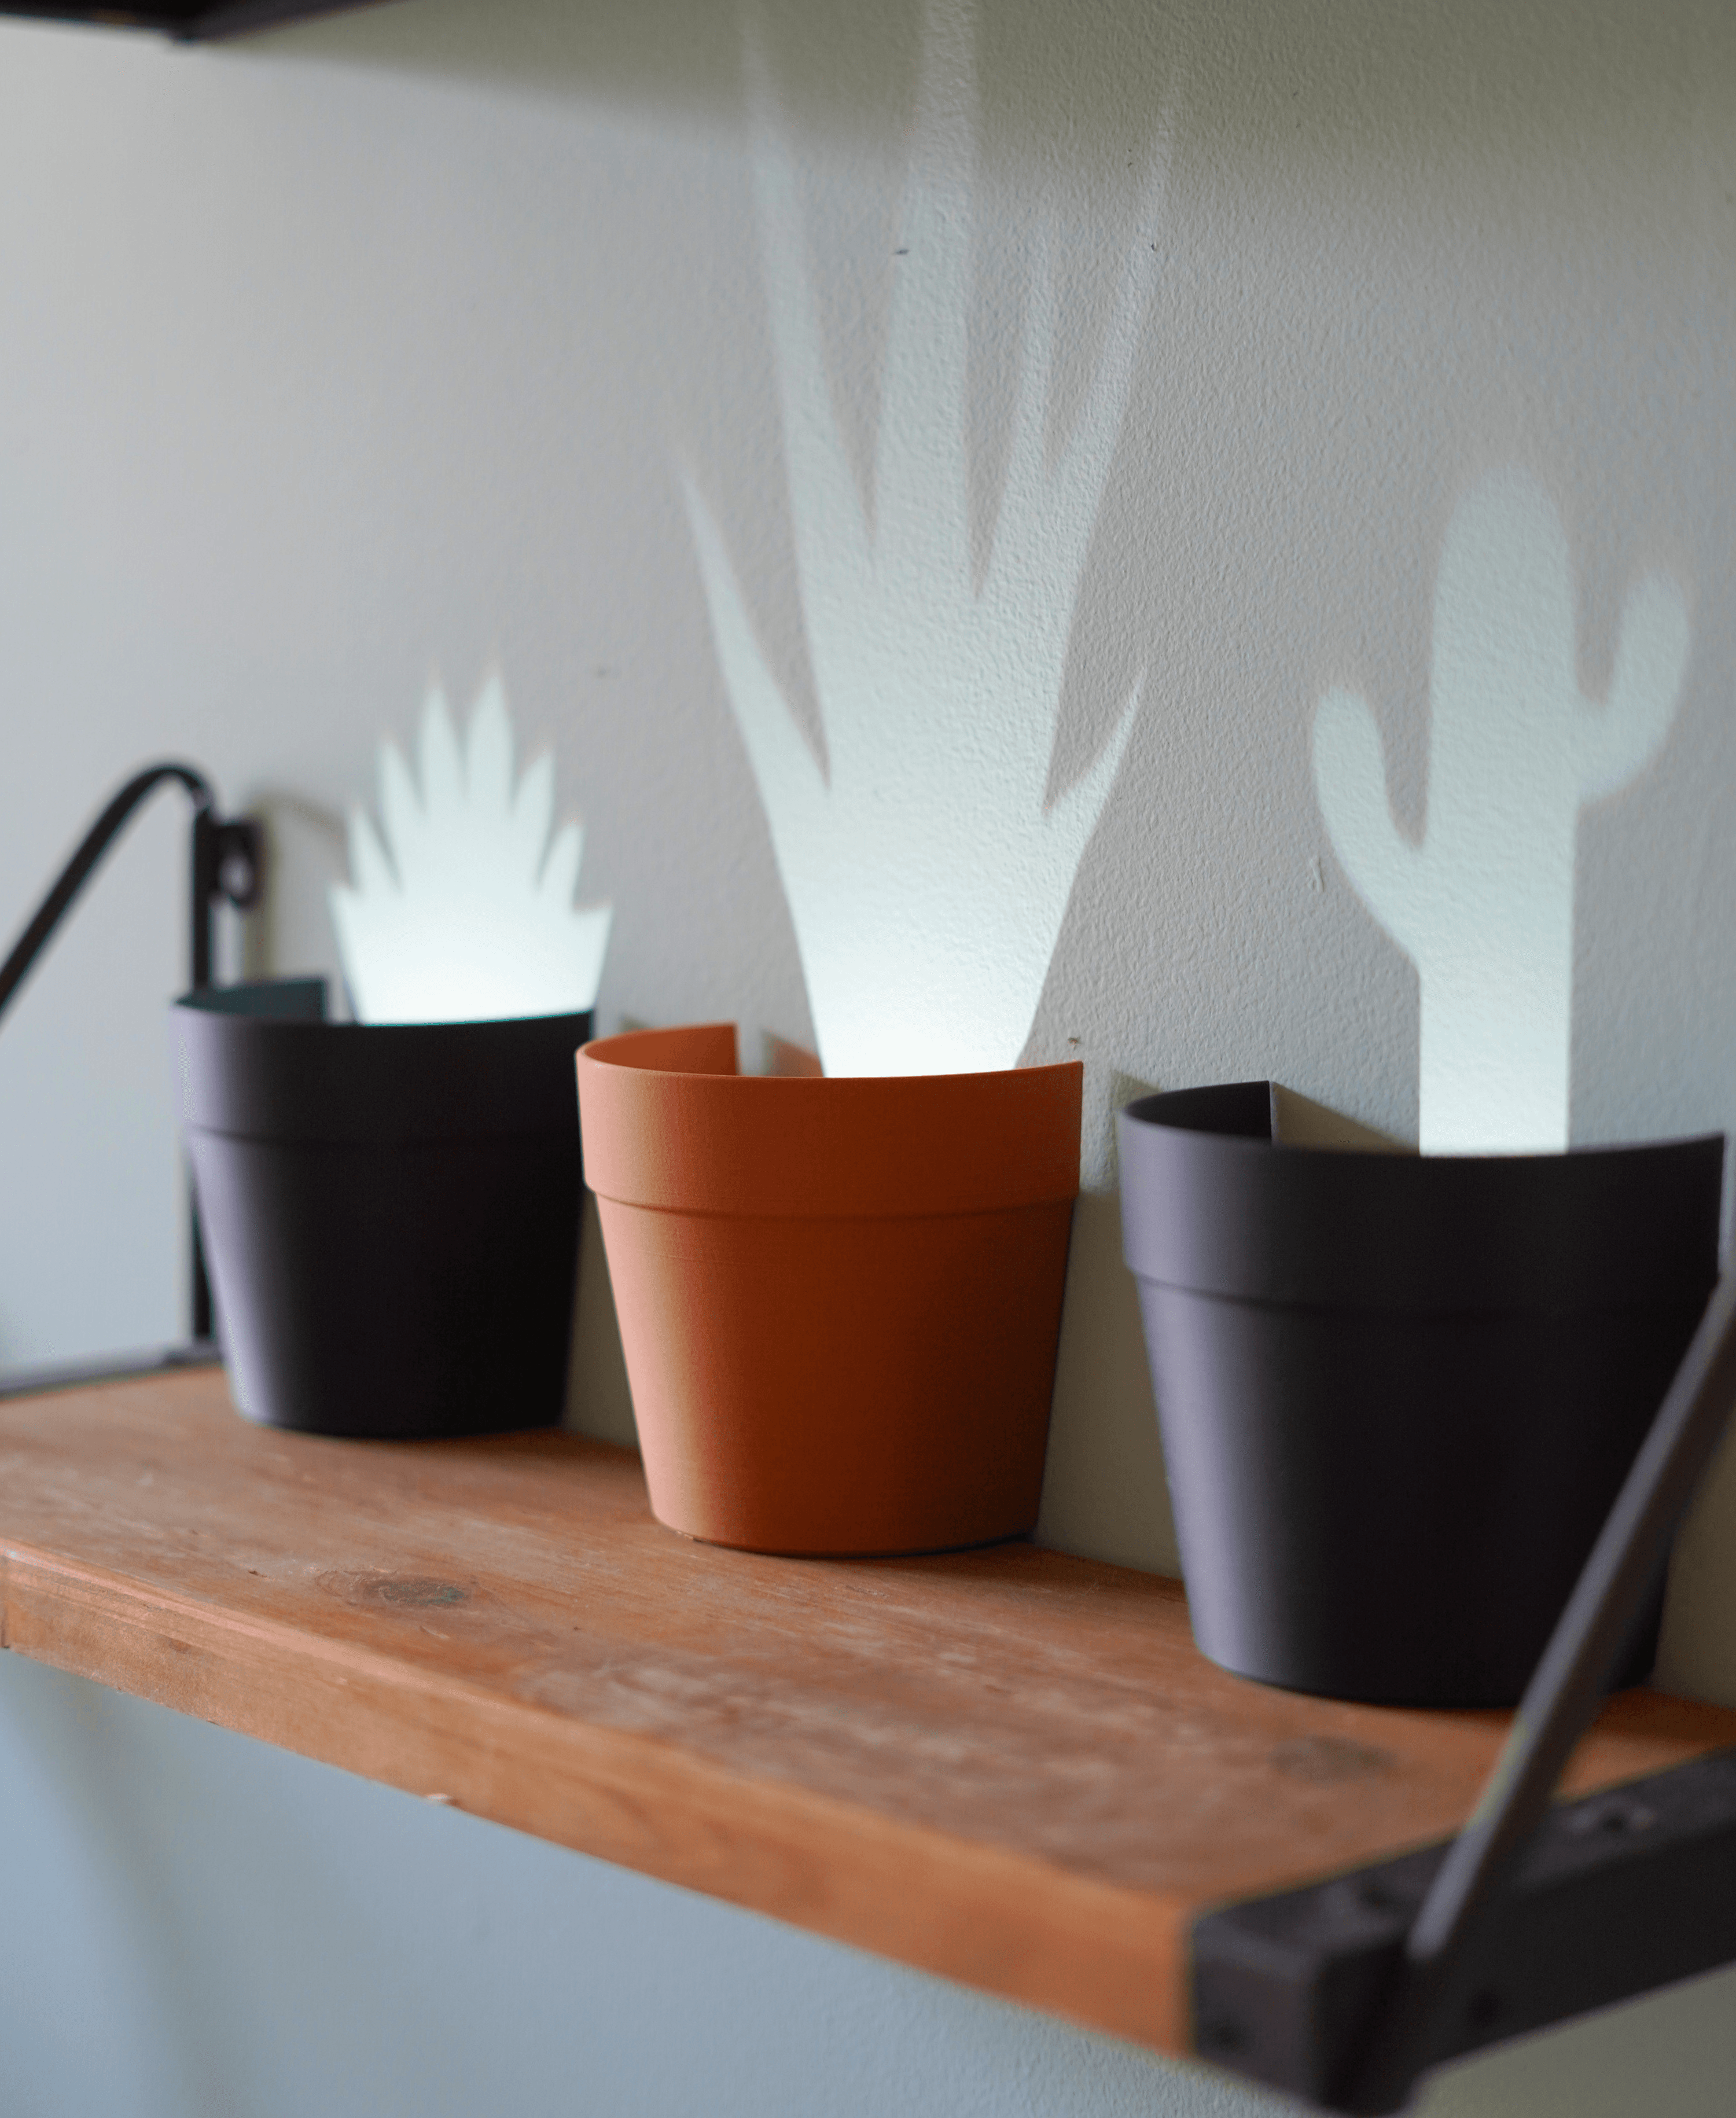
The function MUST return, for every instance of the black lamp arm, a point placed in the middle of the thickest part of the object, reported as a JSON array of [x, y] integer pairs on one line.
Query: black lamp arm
[[228, 860]]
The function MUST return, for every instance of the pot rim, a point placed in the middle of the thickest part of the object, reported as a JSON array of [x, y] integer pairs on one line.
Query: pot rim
[[210, 1001], [1143, 1110], [1209, 1206], [702, 1138], [284, 1077]]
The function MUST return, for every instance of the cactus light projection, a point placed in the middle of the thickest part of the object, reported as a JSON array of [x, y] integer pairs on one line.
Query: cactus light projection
[[463, 911], [1483, 907], [926, 878]]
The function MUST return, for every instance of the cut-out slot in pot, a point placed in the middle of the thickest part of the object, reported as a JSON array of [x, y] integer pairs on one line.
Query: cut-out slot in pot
[[391, 1211], [1399, 1393], [839, 1298]]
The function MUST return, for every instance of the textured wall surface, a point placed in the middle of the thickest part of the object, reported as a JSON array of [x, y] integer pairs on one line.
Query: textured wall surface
[[434, 335]]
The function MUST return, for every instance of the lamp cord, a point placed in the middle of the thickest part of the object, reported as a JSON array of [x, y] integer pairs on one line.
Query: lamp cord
[[226, 865]]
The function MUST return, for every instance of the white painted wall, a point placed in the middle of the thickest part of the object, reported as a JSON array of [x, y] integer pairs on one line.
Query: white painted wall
[[387, 343]]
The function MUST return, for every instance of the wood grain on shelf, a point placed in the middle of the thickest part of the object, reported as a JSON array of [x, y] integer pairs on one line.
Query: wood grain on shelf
[[1008, 1767]]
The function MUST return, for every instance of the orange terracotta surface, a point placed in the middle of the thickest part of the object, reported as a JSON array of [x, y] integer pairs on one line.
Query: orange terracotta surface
[[839, 1300]]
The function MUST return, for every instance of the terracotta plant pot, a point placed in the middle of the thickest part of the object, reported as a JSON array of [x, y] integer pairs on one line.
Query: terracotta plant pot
[[839, 1300], [391, 1212], [1399, 1393]]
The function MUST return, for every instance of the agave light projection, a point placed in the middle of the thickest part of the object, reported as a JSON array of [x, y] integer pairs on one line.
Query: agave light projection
[[926, 876], [1484, 906], [463, 910]]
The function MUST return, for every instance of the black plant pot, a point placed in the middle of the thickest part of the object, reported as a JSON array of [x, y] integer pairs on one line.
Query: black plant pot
[[391, 1212], [1399, 1393]]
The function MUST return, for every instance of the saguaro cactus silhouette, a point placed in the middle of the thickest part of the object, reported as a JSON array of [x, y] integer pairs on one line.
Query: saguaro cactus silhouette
[[1483, 907], [926, 878]]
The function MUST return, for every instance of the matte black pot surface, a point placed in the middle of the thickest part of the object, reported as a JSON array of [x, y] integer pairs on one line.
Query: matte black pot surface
[[391, 1212], [1399, 1393]]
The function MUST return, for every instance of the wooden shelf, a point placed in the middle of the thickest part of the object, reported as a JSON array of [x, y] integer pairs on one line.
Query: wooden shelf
[[1008, 1767]]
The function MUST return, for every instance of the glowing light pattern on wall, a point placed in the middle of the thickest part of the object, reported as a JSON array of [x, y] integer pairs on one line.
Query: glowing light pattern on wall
[[926, 879], [460, 909], [1483, 907]]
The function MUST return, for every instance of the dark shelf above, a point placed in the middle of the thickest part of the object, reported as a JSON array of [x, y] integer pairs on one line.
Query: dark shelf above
[[191, 20]]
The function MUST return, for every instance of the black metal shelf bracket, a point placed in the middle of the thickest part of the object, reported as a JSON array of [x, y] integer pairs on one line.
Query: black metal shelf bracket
[[226, 868], [1346, 1992]]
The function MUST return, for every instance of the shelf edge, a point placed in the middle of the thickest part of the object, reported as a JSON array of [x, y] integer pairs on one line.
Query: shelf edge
[[1109, 1958]]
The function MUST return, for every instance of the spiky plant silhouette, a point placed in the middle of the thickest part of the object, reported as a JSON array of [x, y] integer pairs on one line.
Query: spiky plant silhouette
[[1484, 906], [926, 872], [460, 908]]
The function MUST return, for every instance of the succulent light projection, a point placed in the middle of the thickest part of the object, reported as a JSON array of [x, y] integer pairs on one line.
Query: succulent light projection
[[926, 878], [460, 908], [1484, 906]]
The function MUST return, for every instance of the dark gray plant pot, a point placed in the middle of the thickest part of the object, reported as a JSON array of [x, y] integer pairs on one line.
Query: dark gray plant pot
[[391, 1212], [1398, 1393]]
